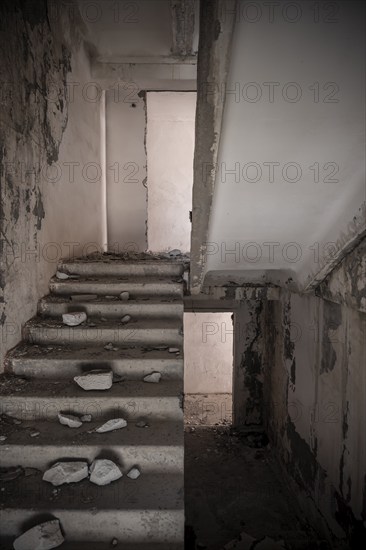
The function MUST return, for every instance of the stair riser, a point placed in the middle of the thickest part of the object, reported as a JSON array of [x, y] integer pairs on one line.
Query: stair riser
[[149, 458], [130, 369], [131, 408], [126, 526], [113, 309], [114, 289], [149, 269], [81, 336]]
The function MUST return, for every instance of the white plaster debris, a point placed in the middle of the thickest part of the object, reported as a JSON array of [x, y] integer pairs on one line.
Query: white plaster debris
[[134, 473], [70, 420], [96, 379], [124, 296], [103, 472], [83, 297], [86, 418], [114, 542], [113, 424], [34, 434], [3, 437], [110, 347], [125, 319], [44, 536], [74, 319], [142, 424], [62, 276], [175, 252], [66, 472], [153, 378], [173, 350]]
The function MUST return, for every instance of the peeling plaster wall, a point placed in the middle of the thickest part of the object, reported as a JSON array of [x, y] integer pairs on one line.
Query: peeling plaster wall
[[315, 388], [49, 133]]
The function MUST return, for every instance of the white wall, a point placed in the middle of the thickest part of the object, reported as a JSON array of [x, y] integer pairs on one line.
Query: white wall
[[316, 115], [208, 367], [170, 145], [126, 171]]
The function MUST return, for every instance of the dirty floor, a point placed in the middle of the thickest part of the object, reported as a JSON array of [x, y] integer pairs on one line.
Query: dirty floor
[[233, 486]]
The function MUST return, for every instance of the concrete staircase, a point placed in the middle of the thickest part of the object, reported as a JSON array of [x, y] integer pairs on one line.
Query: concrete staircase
[[146, 513]]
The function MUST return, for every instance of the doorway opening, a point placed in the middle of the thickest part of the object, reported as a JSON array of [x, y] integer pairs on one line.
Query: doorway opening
[[208, 368]]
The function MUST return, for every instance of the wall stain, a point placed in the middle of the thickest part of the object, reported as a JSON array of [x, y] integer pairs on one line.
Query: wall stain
[[332, 320]]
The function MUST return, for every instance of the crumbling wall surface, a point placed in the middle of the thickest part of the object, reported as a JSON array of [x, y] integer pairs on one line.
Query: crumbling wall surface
[[48, 132], [249, 361], [315, 401]]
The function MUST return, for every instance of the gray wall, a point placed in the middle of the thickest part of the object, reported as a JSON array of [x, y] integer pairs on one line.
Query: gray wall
[[50, 173], [314, 394]]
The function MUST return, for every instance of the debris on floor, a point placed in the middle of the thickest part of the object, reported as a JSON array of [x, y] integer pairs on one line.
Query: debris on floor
[[44, 536], [153, 378], [70, 420], [142, 424], [61, 276], [86, 418], [110, 347], [74, 319], [66, 472], [134, 473], [126, 319], [113, 424], [103, 472], [173, 350], [124, 296], [96, 379], [243, 542]]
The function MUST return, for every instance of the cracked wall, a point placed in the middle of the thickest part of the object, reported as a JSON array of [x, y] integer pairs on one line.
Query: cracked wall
[[49, 135], [315, 397]]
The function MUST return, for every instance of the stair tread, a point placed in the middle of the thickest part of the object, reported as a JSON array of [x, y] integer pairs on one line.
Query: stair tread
[[110, 323], [157, 491], [80, 545], [159, 433], [150, 301], [66, 389], [26, 350], [136, 279]]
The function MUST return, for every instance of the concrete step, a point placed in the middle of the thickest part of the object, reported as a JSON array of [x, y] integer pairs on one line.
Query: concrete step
[[146, 308], [43, 400], [115, 267], [149, 509], [95, 331], [7, 544], [60, 362], [108, 286], [160, 447]]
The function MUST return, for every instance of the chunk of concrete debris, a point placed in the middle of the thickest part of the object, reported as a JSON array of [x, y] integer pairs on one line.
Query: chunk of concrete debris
[[142, 424], [175, 252], [86, 418], [69, 420], [124, 296], [103, 472], [3, 438], [83, 297], [111, 297], [74, 319], [34, 434], [110, 347], [113, 424], [126, 319], [96, 379], [114, 542], [153, 378], [134, 473], [62, 276], [173, 350], [44, 536], [66, 472]]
